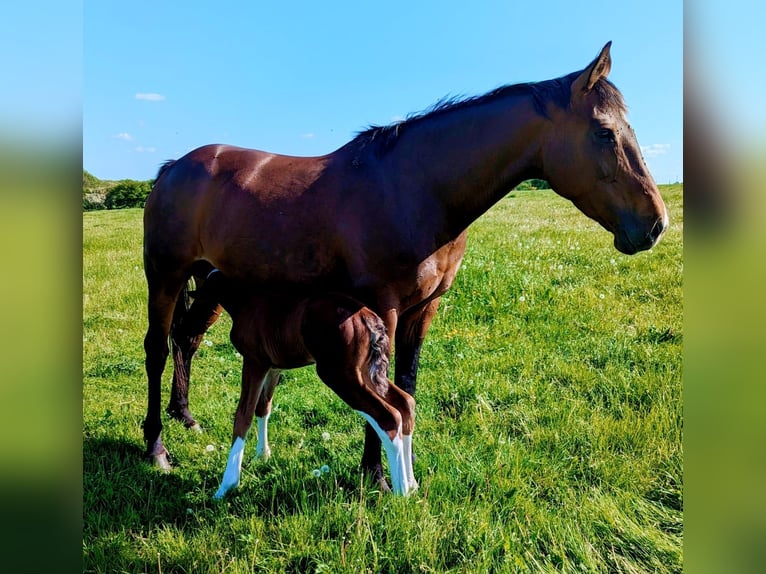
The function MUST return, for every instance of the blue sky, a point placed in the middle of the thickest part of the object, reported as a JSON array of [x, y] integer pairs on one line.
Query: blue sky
[[301, 78]]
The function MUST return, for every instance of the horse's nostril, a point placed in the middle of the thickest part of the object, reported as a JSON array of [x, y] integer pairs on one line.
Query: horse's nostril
[[659, 227]]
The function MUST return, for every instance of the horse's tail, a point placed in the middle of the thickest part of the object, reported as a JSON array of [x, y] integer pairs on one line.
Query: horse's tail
[[166, 165]]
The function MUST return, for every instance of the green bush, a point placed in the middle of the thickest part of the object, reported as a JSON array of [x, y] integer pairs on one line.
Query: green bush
[[127, 193], [533, 184]]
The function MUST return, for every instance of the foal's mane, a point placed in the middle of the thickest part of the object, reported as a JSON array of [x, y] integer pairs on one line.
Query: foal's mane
[[556, 91]]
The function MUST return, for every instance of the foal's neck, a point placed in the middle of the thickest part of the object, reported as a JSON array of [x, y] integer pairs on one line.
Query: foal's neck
[[471, 157]]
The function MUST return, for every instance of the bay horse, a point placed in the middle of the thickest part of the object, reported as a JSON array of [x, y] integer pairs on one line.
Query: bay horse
[[383, 219], [345, 339]]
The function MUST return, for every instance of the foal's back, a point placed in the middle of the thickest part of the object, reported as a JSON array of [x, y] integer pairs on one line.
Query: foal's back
[[288, 330]]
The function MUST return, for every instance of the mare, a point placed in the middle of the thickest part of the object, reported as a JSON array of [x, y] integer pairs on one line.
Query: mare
[[347, 341], [383, 219]]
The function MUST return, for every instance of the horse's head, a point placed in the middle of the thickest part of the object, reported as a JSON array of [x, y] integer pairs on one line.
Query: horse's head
[[592, 158]]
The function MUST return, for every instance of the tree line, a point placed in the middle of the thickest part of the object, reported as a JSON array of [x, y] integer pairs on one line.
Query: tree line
[[106, 194]]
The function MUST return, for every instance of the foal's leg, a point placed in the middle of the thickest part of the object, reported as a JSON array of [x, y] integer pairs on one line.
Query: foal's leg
[[411, 330], [263, 411], [190, 323], [405, 404], [372, 465], [352, 359], [253, 374], [350, 385]]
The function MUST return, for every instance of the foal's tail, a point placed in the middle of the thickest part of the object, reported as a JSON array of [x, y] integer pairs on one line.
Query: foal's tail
[[198, 304], [378, 361]]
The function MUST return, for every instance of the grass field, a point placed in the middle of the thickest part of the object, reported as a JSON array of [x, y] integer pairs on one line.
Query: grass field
[[548, 430]]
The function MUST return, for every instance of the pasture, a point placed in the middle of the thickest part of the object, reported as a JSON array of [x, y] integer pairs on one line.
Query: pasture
[[548, 430]]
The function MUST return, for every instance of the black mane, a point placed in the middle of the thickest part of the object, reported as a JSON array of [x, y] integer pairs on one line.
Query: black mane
[[556, 91]]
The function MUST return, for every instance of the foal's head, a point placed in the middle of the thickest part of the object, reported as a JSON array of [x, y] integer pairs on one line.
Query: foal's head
[[593, 158]]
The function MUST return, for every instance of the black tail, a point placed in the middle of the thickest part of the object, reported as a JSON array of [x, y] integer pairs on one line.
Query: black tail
[[163, 168]]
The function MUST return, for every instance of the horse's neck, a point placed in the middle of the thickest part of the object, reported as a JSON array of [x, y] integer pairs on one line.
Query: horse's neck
[[470, 158]]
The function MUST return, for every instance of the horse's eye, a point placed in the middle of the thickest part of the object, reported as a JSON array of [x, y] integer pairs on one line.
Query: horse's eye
[[605, 135]]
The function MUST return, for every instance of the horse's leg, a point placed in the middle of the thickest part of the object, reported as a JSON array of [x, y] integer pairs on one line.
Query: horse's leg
[[163, 292], [262, 413], [410, 334], [190, 323], [253, 374]]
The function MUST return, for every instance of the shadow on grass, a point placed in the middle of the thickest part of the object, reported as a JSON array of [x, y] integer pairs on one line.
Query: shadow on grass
[[121, 489]]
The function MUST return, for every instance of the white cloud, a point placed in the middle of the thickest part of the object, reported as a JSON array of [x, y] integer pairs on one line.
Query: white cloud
[[398, 118], [150, 97], [124, 136], [142, 149], [654, 150], [307, 136]]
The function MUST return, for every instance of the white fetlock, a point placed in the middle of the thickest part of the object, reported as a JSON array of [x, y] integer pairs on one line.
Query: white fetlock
[[233, 470], [409, 473], [395, 454], [262, 449]]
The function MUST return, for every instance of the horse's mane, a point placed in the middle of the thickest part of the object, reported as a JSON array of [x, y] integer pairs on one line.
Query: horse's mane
[[556, 91]]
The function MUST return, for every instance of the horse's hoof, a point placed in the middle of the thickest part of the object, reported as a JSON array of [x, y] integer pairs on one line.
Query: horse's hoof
[[196, 428], [382, 484], [374, 475], [161, 462]]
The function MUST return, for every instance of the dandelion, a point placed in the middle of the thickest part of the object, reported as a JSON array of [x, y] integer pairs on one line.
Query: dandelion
[[522, 298], [189, 511], [613, 261], [324, 469], [325, 436], [210, 448], [316, 473], [238, 355], [207, 343], [601, 296]]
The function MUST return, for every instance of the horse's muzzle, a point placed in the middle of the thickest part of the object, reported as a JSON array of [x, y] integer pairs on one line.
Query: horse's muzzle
[[635, 236]]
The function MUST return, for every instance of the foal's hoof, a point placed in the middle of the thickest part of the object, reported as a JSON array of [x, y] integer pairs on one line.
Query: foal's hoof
[[161, 462]]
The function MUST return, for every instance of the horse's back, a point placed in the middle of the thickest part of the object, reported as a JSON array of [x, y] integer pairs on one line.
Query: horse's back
[[220, 200]]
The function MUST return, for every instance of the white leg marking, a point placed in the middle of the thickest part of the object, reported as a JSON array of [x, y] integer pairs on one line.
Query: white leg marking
[[407, 442], [233, 469], [395, 454], [262, 449]]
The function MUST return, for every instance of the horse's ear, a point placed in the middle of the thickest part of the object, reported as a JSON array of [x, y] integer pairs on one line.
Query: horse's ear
[[597, 69]]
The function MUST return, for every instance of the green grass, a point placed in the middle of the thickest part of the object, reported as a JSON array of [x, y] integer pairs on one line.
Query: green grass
[[548, 431]]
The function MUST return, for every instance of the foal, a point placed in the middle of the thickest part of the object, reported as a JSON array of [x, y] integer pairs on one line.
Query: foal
[[346, 340]]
